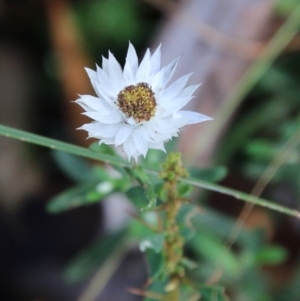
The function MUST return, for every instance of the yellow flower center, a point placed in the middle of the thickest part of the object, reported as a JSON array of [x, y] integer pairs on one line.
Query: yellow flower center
[[138, 102]]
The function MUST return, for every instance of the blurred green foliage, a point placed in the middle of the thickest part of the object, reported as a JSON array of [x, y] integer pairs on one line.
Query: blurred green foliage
[[111, 24]]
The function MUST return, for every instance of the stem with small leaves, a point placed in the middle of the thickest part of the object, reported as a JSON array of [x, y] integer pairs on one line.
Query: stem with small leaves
[[172, 172]]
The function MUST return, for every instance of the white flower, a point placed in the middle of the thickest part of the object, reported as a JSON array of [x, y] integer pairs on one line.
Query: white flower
[[134, 107]]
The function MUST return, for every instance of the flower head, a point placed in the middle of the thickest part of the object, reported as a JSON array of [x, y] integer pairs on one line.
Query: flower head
[[134, 107]]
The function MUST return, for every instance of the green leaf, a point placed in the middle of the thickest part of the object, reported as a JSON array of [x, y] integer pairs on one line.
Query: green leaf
[[103, 149], [261, 149], [138, 230], [291, 290], [184, 190], [216, 293], [214, 251], [73, 166], [137, 197], [210, 222], [285, 7], [108, 150], [155, 262], [102, 175], [151, 196], [115, 161], [155, 157], [213, 174], [189, 264], [92, 258], [154, 242], [184, 220], [62, 146], [85, 194], [156, 288], [272, 255], [140, 175]]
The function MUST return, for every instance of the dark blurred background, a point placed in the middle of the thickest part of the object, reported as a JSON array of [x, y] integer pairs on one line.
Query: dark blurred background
[[44, 47]]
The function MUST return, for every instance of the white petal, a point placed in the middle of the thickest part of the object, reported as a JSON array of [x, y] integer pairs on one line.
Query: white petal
[[94, 81], [106, 83], [169, 71], [171, 106], [105, 117], [175, 105], [90, 127], [131, 61], [188, 91], [157, 137], [156, 83], [161, 130], [115, 72], [100, 130], [108, 141], [139, 142], [91, 73], [129, 148], [174, 89], [123, 134], [192, 117], [159, 146], [92, 103], [155, 61], [105, 64], [102, 93], [144, 68], [128, 75]]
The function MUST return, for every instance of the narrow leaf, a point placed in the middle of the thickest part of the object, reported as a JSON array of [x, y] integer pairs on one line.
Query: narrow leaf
[[80, 151]]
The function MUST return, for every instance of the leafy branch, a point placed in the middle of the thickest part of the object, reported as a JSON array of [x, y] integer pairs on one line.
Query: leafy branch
[[117, 161]]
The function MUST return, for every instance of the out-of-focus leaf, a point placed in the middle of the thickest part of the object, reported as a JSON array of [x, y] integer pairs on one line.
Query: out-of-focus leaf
[[261, 149], [154, 242], [140, 230], [155, 262], [214, 251], [109, 21], [108, 150], [91, 259], [73, 166], [291, 291], [140, 175], [137, 197], [209, 293], [156, 288], [285, 7], [151, 196], [241, 133], [208, 221], [184, 190], [155, 157], [103, 148], [213, 174], [272, 255], [119, 183], [84, 194], [189, 264], [184, 221]]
